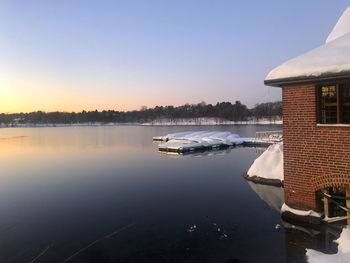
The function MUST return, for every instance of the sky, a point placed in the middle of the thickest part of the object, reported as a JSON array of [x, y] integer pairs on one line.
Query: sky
[[85, 55]]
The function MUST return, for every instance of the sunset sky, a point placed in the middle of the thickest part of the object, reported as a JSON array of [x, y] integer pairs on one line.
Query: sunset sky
[[75, 55]]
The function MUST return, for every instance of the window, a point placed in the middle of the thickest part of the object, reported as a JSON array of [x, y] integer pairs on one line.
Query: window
[[345, 103], [334, 104]]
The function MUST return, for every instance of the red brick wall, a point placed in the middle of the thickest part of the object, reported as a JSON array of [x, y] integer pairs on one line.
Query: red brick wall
[[314, 157]]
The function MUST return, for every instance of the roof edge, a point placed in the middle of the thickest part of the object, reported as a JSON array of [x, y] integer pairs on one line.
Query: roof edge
[[308, 79]]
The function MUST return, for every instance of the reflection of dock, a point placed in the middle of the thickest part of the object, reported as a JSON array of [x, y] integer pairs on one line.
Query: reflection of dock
[[203, 153], [185, 149]]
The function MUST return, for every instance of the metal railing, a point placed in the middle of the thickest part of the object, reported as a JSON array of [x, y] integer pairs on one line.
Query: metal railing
[[269, 135]]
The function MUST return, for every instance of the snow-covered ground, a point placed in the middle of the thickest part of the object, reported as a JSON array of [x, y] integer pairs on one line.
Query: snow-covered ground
[[210, 121], [269, 165], [342, 256]]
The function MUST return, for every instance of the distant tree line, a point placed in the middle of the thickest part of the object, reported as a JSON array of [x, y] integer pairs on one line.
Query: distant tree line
[[222, 110]]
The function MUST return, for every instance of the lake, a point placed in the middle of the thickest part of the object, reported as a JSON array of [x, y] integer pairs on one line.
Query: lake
[[105, 194]]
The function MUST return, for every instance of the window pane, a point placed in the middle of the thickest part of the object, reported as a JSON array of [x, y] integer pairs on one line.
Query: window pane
[[329, 114], [346, 114], [329, 94], [345, 93], [328, 104], [345, 103]]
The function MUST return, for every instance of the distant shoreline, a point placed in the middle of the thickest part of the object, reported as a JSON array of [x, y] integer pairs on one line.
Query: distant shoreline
[[165, 122], [211, 122]]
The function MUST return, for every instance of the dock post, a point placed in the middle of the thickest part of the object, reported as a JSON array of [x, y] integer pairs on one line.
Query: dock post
[[325, 203]]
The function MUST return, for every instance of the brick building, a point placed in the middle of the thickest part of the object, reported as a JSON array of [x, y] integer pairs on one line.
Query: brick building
[[316, 122]]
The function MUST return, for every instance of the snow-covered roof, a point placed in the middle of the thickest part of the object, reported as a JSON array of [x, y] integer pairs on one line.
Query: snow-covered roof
[[329, 60]]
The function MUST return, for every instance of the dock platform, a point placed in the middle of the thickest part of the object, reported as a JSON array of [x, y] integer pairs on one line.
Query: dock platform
[[187, 142]]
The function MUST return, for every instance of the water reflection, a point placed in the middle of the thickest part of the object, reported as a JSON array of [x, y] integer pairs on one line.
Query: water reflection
[[272, 195], [199, 153], [71, 186], [298, 236], [212, 152]]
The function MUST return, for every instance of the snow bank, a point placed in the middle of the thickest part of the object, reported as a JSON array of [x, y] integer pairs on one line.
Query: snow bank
[[286, 208], [269, 165], [343, 254], [332, 58]]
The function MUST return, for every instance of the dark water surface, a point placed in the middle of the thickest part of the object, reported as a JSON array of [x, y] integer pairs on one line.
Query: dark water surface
[[64, 188]]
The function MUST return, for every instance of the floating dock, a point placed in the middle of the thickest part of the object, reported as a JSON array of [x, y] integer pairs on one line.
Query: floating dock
[[189, 141]]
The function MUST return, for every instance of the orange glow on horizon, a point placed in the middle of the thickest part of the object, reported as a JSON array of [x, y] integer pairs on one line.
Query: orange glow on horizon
[[30, 95]]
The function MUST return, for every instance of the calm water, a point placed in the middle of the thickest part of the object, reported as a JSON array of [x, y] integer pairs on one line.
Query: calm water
[[64, 188]]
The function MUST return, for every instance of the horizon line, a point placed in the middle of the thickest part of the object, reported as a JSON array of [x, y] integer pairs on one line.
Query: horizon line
[[140, 108]]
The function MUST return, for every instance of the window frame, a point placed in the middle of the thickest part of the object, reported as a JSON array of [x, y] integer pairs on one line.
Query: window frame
[[339, 104]]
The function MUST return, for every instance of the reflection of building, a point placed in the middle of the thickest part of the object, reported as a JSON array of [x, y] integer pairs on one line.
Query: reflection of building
[[316, 121], [272, 195], [302, 236], [299, 238]]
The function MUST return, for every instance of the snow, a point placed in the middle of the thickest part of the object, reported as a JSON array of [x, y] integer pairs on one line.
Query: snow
[[331, 58], [341, 28], [178, 135], [269, 165], [343, 254], [211, 121], [160, 122], [286, 208], [183, 143], [192, 139]]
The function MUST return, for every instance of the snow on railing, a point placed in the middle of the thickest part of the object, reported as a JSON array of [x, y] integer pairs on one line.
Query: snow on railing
[[272, 136]]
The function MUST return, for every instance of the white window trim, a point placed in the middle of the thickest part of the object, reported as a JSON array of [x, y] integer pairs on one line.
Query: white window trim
[[333, 125]]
